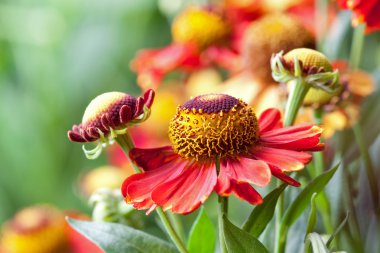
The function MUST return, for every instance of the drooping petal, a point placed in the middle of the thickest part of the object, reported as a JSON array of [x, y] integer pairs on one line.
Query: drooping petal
[[282, 176], [188, 190], [270, 119], [150, 159], [246, 192], [286, 160], [304, 137], [137, 189]]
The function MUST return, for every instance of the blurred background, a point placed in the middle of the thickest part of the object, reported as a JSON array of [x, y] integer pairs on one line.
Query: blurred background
[[55, 56]]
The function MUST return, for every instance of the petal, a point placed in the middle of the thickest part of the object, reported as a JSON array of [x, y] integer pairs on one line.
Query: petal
[[270, 119], [137, 188], [304, 137], [286, 160], [188, 191], [247, 170], [246, 192], [282, 176], [150, 159]]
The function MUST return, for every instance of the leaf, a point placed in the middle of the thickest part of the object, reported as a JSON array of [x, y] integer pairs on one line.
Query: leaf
[[301, 202], [337, 230], [316, 242], [202, 235], [240, 241], [117, 238], [312, 215], [262, 214]]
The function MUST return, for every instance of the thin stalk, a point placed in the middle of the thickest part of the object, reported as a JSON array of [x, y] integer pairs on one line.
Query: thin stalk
[[357, 46], [279, 214], [222, 211], [126, 143], [296, 96], [371, 176], [170, 229], [177, 223]]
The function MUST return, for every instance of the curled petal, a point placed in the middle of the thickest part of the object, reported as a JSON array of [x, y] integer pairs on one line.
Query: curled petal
[[125, 114], [270, 119], [139, 107], [283, 177], [74, 136], [149, 97], [187, 191], [151, 159]]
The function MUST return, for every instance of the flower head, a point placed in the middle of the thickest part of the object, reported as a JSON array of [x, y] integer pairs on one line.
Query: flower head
[[109, 115], [200, 27], [210, 129], [272, 33], [37, 229]]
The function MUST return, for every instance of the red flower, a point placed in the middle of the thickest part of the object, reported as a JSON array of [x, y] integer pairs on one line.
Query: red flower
[[199, 40], [365, 11], [182, 176]]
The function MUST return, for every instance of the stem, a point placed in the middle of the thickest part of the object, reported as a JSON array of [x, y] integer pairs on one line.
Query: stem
[[371, 176], [177, 223], [318, 157], [296, 96], [169, 228], [279, 214], [357, 46], [126, 143], [222, 211]]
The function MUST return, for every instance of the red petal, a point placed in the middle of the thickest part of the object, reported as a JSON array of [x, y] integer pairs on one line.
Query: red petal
[[76, 137], [150, 159], [125, 114], [149, 97], [281, 175], [270, 119], [188, 191], [305, 137], [137, 188], [286, 160], [246, 192]]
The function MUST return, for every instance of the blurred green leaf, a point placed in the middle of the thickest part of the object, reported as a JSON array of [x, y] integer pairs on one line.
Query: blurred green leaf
[[117, 238], [202, 235], [262, 214], [239, 241], [301, 202], [312, 216], [337, 230]]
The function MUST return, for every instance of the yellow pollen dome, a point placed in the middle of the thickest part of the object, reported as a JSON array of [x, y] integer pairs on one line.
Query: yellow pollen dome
[[213, 125], [200, 27], [313, 62], [37, 229], [110, 102], [268, 35]]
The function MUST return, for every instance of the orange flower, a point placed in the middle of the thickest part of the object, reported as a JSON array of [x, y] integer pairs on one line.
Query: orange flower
[[211, 128]]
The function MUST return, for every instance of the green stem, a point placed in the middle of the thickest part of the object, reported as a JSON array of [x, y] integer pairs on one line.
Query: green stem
[[169, 228], [279, 214], [318, 157], [371, 176], [177, 223], [222, 211], [357, 46], [298, 92], [126, 143]]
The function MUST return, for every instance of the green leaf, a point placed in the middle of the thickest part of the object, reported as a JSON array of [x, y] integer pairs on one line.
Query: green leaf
[[312, 215], [202, 235], [316, 242], [239, 241], [117, 238], [337, 230], [262, 214], [301, 202]]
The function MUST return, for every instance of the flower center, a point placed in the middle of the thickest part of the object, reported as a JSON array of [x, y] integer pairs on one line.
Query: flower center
[[201, 27], [213, 125], [109, 103]]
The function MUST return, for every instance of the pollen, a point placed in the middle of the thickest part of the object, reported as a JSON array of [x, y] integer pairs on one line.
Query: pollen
[[213, 125], [200, 27], [269, 34], [111, 103]]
